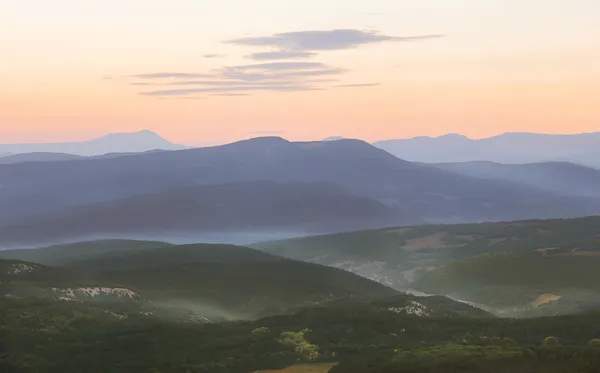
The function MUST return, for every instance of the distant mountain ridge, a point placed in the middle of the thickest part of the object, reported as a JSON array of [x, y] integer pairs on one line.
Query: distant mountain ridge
[[133, 142], [511, 147], [557, 177], [230, 211], [36, 196]]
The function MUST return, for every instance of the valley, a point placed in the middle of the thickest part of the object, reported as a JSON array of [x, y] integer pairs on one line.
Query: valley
[[302, 257]]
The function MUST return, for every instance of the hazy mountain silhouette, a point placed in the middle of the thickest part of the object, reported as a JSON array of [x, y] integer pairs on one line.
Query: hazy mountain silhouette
[[113, 143], [423, 193], [38, 157], [506, 148], [557, 177], [260, 206]]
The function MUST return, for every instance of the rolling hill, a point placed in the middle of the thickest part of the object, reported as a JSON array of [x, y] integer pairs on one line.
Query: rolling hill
[[235, 213], [423, 194], [433, 259], [63, 254], [210, 281]]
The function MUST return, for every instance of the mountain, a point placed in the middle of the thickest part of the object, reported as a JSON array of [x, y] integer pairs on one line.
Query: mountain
[[37, 157], [557, 177], [420, 192], [237, 212], [79, 251], [333, 138], [503, 267], [513, 147], [213, 279], [113, 143]]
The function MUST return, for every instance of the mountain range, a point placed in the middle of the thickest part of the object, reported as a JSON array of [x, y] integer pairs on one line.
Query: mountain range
[[562, 178], [235, 213], [512, 147], [134, 142], [171, 192]]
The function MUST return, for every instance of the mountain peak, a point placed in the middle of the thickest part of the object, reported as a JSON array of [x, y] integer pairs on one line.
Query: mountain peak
[[334, 138], [456, 136], [147, 134]]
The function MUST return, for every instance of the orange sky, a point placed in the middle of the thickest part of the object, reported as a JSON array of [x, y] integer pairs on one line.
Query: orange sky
[[498, 67]]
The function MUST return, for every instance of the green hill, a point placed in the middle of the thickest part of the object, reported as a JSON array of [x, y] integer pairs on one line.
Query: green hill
[[398, 256], [69, 337], [535, 282], [62, 254], [212, 281]]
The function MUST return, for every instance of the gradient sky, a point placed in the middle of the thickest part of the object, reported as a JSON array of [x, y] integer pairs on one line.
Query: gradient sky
[[205, 72]]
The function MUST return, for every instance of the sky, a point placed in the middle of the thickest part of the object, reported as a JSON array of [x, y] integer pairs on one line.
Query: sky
[[204, 72]]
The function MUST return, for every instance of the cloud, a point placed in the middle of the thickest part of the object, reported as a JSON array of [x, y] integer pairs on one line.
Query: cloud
[[227, 83], [231, 94], [211, 55], [324, 40], [266, 132], [106, 77], [357, 85], [280, 55], [268, 76], [262, 77], [171, 76], [279, 66], [242, 88]]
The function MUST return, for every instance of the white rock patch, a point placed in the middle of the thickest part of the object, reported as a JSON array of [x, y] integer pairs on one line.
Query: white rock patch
[[20, 268], [413, 308], [117, 315], [73, 294]]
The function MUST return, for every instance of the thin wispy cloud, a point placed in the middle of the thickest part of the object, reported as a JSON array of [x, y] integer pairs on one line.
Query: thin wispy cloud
[[274, 74], [211, 55], [280, 55], [279, 66], [249, 88], [171, 76], [357, 85], [231, 94], [313, 41], [226, 83], [266, 76]]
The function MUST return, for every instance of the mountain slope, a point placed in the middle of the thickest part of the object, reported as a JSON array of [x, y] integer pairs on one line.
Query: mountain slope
[[215, 280], [399, 256], [422, 193], [556, 177], [229, 211], [79, 251], [505, 148], [37, 157], [113, 143]]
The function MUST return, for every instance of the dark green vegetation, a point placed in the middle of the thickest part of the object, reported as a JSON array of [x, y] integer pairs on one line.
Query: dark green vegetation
[[48, 336], [503, 357], [536, 267], [64, 254], [135, 307], [211, 281]]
